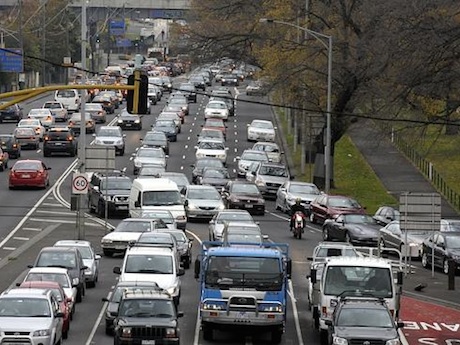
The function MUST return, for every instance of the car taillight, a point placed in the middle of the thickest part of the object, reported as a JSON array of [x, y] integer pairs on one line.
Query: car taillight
[[15, 145], [46, 138], [70, 122], [70, 138]]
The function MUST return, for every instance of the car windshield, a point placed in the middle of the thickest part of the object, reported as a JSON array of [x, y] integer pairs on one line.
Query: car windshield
[[146, 308], [178, 100], [93, 107], [39, 112], [179, 236], [138, 226], [303, 189], [234, 217], [358, 219], [60, 278], [216, 105], [244, 238], [262, 124], [326, 252], [273, 171], [266, 148], [112, 184], [155, 137], [157, 264], [450, 225], [245, 188], [180, 180], [26, 131], [29, 123], [203, 194], [85, 252], [211, 145], [161, 123], [109, 132], [253, 156], [211, 134], [160, 198], [165, 216], [151, 170], [221, 174], [214, 123], [24, 307], [50, 259], [364, 317], [65, 93], [343, 203], [150, 153]]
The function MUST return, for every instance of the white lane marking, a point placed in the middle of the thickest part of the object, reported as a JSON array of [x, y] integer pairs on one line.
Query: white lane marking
[[50, 204], [295, 312], [32, 229], [234, 126], [183, 157], [236, 141], [47, 220], [236, 150], [193, 124], [186, 146], [21, 238], [96, 324], [9, 248], [57, 212], [182, 168], [191, 130]]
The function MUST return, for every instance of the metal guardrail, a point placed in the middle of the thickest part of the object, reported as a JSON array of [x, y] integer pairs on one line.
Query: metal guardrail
[[428, 170]]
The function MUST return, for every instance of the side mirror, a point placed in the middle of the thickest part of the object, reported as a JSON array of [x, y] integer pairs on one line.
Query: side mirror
[[400, 324], [96, 188], [84, 268], [265, 237], [291, 177], [309, 258], [105, 299], [30, 266], [94, 134], [185, 202], [75, 282], [59, 314], [18, 284], [117, 270]]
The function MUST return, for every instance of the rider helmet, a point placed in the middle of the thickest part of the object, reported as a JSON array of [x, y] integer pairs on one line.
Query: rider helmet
[[298, 201]]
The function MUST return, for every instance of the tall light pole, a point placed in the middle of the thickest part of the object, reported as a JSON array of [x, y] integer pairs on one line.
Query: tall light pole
[[326, 41]]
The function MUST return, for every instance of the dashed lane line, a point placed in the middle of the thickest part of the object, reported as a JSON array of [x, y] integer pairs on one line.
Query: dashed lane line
[[32, 229], [9, 248], [57, 212], [47, 220], [21, 238]]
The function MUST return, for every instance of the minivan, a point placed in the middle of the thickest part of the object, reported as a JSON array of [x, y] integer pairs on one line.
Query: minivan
[[157, 194], [69, 98]]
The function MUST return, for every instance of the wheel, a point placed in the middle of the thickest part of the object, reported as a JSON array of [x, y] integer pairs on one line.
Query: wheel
[[312, 218], [208, 332], [2, 167], [323, 337], [91, 284], [100, 210], [73, 153], [445, 266], [299, 235], [79, 296], [425, 260], [6, 165], [276, 336], [108, 330], [46, 153], [326, 236], [347, 238], [187, 264], [65, 334]]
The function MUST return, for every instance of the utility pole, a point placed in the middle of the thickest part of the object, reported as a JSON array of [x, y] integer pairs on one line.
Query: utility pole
[[43, 42]]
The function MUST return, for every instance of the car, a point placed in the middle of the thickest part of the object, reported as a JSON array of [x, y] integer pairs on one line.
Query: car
[[147, 317], [244, 195], [152, 94], [90, 258], [156, 139], [216, 109], [58, 275], [229, 79], [327, 206], [175, 108], [42, 114], [440, 248], [179, 100], [272, 149], [203, 163], [216, 177], [68, 258], [29, 173], [10, 144], [172, 115], [165, 215], [184, 246], [242, 232], [213, 123], [18, 307], [446, 224], [128, 230], [189, 90], [27, 137], [168, 127], [58, 110], [256, 88], [213, 134], [59, 293], [106, 102], [261, 130], [35, 124], [217, 223], [198, 81], [129, 121], [180, 179], [60, 140], [202, 202], [167, 83], [355, 228], [70, 98], [211, 149], [74, 123], [97, 112], [228, 100], [111, 136], [113, 95], [268, 177], [391, 236], [148, 155], [362, 319], [247, 158], [12, 113], [114, 297], [290, 191], [386, 214], [4, 159]]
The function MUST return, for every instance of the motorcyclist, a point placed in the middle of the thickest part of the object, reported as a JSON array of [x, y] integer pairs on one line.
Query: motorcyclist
[[297, 207]]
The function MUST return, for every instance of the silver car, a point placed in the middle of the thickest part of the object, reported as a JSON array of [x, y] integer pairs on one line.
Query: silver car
[[217, 223], [391, 236], [247, 158], [271, 149], [111, 136], [291, 190], [268, 177], [148, 156], [202, 201], [90, 258]]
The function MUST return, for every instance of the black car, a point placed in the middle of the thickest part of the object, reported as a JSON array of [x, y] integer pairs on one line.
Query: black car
[[446, 247], [184, 246], [106, 101], [146, 317], [244, 195], [217, 177], [114, 298], [198, 81], [129, 121], [11, 145], [202, 163], [386, 214], [11, 113], [60, 140], [189, 90], [230, 79], [109, 190], [362, 320], [156, 139], [355, 228], [168, 127]]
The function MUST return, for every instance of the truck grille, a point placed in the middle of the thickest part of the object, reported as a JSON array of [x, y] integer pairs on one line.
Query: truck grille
[[367, 341], [19, 341], [242, 303], [148, 332], [275, 185], [121, 199]]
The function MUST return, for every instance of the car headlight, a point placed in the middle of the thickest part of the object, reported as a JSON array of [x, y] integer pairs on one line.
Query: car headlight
[[212, 306], [180, 218], [120, 121], [184, 108], [42, 333], [339, 341], [290, 199], [106, 241], [192, 207], [137, 163], [89, 271], [260, 183], [223, 155], [126, 332], [271, 308], [108, 197], [137, 121], [221, 207], [171, 333], [172, 290], [119, 142], [169, 85], [98, 142], [393, 342]]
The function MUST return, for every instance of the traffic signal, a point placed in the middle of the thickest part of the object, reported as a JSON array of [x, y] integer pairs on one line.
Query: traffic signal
[[137, 100]]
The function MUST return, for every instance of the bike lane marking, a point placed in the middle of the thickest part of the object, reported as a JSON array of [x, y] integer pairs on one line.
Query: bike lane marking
[[428, 323]]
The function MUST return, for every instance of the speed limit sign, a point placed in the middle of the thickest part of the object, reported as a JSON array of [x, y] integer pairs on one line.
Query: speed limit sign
[[80, 183]]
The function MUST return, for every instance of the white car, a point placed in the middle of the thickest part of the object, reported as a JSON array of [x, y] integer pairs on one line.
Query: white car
[[211, 149], [70, 99], [261, 130], [216, 109], [271, 149], [57, 109], [44, 115], [35, 124]]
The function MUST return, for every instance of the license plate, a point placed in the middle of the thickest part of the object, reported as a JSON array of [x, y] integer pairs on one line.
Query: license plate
[[25, 176], [58, 144], [122, 207], [249, 206], [129, 125], [242, 315], [148, 342]]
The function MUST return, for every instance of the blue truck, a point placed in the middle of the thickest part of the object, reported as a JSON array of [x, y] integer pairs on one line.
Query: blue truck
[[243, 286]]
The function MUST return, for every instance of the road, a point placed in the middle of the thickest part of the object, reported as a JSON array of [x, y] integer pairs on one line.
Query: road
[[48, 220]]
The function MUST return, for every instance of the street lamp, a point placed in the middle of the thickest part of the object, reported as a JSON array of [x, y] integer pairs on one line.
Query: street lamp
[[326, 41]]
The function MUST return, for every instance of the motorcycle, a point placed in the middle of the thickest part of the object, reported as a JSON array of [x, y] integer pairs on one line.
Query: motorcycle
[[298, 224]]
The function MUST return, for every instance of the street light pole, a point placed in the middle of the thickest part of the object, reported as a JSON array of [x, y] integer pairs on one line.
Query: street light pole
[[326, 41]]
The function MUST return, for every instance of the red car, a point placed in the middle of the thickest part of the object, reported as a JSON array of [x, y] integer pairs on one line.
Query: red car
[[213, 123], [330, 206], [64, 302], [29, 173]]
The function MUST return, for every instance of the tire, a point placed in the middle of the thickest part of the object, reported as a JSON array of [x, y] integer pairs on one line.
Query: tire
[[79, 296], [46, 153], [65, 334], [445, 266], [108, 331], [323, 337], [347, 238], [326, 236], [313, 218], [299, 236], [187, 264], [208, 332], [73, 153], [91, 284], [425, 263], [2, 167], [276, 336]]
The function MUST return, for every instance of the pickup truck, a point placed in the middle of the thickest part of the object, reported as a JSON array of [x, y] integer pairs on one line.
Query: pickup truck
[[57, 109]]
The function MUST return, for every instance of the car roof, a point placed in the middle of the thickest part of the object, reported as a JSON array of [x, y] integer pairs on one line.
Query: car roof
[[48, 270], [37, 293], [81, 243]]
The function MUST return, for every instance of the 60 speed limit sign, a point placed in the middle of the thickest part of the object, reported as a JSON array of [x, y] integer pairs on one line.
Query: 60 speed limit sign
[[80, 183]]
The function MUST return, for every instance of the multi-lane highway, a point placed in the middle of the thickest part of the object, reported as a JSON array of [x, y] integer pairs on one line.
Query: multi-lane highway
[[31, 219]]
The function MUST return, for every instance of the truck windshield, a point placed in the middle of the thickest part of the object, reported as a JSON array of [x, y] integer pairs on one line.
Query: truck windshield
[[226, 272], [160, 198], [374, 281]]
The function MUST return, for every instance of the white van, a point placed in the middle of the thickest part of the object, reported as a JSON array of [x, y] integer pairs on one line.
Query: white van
[[69, 98], [157, 194]]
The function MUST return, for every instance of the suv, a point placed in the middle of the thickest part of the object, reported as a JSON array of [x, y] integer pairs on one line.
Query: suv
[[146, 317], [111, 136], [30, 316], [10, 144], [65, 257], [352, 316], [109, 190], [12, 112], [60, 140]]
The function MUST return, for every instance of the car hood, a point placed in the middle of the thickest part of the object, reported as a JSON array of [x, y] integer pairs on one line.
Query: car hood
[[26, 324], [343, 210], [154, 143], [124, 192], [88, 263], [365, 229], [211, 152], [122, 236], [304, 197], [243, 163], [366, 333], [261, 130], [246, 196], [205, 203], [147, 322], [273, 179], [108, 138], [215, 181], [149, 160]]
